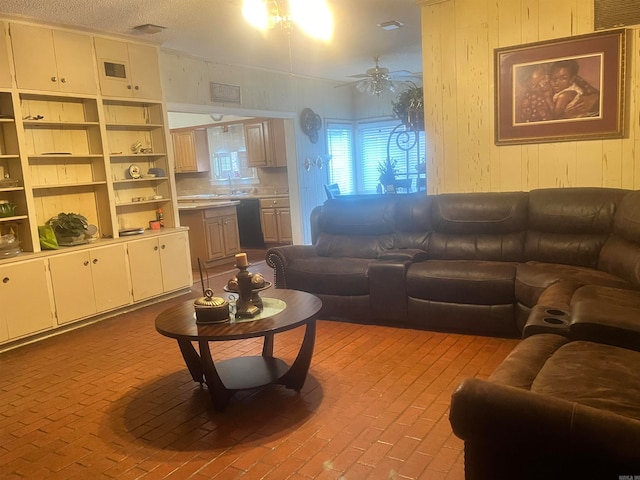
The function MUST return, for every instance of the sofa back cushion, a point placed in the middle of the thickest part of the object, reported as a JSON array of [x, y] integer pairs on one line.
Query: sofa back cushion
[[360, 227], [478, 226], [570, 225], [413, 221], [621, 253]]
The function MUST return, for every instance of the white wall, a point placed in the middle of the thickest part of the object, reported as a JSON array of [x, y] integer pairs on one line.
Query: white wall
[[186, 86], [459, 37]]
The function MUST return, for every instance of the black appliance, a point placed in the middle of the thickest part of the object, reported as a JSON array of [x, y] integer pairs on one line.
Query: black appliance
[[249, 224]]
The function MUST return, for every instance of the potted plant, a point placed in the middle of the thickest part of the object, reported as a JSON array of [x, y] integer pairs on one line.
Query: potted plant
[[409, 107], [69, 228], [387, 177]]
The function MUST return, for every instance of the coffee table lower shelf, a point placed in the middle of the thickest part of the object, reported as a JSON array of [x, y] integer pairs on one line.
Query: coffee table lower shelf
[[242, 373]]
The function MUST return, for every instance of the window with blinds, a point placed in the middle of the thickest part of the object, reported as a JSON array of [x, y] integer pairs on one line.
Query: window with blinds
[[405, 148], [340, 147], [356, 172]]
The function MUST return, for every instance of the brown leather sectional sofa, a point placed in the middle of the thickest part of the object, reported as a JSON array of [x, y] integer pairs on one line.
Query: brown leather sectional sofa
[[559, 267]]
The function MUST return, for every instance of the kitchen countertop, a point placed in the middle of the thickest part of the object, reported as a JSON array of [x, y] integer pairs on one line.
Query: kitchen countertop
[[206, 204], [217, 197]]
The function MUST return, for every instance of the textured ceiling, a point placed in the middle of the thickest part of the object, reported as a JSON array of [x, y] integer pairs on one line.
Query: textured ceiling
[[215, 30]]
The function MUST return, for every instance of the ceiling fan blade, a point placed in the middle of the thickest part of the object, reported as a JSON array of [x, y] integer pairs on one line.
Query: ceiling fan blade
[[346, 84], [358, 75], [405, 74]]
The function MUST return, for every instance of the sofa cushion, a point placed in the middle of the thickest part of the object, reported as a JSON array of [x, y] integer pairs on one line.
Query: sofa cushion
[[570, 226], [329, 275], [621, 254], [533, 278], [462, 281], [478, 226], [480, 213], [355, 246], [593, 374]]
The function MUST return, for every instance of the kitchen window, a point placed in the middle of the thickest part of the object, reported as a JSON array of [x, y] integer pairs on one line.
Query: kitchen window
[[228, 156]]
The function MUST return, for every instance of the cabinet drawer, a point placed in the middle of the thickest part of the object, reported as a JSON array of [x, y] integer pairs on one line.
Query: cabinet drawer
[[219, 212], [282, 202]]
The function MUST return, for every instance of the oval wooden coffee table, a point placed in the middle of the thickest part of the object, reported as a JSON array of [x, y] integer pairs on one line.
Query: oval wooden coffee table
[[226, 377]]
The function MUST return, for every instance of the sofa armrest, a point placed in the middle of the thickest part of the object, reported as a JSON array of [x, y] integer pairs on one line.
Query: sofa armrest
[[515, 420], [388, 290], [606, 323], [279, 258]]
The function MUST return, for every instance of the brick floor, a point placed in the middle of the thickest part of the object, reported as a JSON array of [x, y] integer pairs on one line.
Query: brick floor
[[114, 400]]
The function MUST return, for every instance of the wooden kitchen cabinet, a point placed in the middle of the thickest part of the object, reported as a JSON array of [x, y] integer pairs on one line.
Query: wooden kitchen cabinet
[[159, 264], [213, 234], [128, 69], [64, 60], [24, 314], [276, 220], [266, 144], [87, 282], [191, 150]]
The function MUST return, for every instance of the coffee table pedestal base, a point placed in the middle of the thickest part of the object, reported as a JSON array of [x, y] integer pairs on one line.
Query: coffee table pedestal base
[[226, 377]]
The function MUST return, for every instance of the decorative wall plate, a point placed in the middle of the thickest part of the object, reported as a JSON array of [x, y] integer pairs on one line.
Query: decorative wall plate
[[135, 171], [310, 122]]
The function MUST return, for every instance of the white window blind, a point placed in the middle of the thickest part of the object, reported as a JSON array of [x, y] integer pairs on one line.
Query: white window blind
[[373, 140], [340, 147], [357, 171]]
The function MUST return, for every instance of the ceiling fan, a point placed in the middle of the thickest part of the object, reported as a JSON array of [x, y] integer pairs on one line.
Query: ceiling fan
[[379, 79]]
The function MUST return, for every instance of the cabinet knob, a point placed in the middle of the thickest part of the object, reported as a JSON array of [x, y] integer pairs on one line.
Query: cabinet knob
[[129, 87], [54, 79], [86, 263], [163, 246], [155, 248], [5, 280], [95, 260], [63, 80], [136, 87]]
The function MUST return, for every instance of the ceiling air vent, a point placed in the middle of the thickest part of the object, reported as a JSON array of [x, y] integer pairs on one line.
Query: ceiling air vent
[[616, 13]]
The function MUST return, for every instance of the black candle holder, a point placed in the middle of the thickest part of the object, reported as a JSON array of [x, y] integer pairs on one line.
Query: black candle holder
[[245, 307]]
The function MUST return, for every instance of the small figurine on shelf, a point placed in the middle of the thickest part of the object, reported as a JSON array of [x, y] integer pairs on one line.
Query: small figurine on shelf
[[160, 217]]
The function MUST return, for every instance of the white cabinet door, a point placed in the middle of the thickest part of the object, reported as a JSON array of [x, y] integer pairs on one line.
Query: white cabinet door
[[72, 286], [159, 264], [128, 70], [89, 282], [64, 60], [5, 74], [110, 275], [144, 266], [25, 298], [175, 261]]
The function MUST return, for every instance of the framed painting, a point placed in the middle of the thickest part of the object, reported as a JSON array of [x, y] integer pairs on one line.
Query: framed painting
[[561, 90]]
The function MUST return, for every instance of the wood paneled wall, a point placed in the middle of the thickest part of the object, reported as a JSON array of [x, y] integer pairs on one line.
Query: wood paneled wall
[[459, 37]]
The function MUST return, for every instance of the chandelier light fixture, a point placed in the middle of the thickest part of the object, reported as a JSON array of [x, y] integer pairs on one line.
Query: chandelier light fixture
[[313, 17]]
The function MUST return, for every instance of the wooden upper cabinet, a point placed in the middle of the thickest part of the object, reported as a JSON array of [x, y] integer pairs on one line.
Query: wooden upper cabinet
[[128, 69], [266, 144], [5, 73], [191, 150], [53, 60], [255, 142], [277, 141]]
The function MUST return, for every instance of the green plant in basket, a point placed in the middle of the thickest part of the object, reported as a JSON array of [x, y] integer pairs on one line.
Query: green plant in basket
[[69, 225]]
